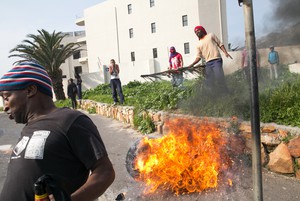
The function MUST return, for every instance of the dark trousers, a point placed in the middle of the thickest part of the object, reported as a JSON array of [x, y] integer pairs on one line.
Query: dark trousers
[[177, 79], [79, 91], [215, 78], [74, 103], [116, 88]]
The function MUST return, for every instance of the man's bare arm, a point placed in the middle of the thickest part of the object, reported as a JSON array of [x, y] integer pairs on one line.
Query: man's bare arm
[[102, 176]]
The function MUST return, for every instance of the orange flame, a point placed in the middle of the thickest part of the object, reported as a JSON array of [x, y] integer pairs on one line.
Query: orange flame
[[188, 159], [229, 182]]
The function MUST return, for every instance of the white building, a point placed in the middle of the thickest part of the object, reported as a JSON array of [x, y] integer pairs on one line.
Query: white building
[[76, 63], [139, 33]]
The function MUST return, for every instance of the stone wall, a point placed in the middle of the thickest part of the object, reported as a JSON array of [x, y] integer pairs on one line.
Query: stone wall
[[120, 113], [280, 145]]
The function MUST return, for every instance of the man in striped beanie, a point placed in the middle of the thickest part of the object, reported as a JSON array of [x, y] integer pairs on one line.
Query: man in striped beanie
[[54, 141], [26, 91]]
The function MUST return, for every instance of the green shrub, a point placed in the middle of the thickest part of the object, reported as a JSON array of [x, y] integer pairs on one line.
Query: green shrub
[[281, 104], [278, 99], [133, 84], [287, 138], [296, 165], [99, 91], [63, 103], [91, 110], [143, 122]]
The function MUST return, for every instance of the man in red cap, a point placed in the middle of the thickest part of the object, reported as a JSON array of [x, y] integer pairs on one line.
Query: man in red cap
[[208, 49]]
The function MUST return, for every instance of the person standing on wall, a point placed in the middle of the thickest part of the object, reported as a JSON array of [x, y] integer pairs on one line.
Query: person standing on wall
[[273, 59], [176, 61], [78, 83], [246, 65], [115, 82], [72, 91], [208, 49]]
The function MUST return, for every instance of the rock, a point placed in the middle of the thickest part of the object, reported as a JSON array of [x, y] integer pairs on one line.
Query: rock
[[281, 160], [294, 147], [268, 129], [270, 139], [245, 128]]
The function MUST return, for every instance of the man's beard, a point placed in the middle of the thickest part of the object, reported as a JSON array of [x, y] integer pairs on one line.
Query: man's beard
[[200, 34]]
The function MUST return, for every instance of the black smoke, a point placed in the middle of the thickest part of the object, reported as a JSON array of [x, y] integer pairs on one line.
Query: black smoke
[[283, 24], [286, 12]]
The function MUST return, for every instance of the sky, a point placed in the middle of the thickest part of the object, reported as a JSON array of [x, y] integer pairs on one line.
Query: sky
[[19, 18]]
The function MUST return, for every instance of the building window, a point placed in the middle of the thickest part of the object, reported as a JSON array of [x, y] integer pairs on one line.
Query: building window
[[153, 27], [131, 33], [154, 51], [152, 3], [76, 55], [78, 69], [132, 54], [129, 8], [184, 20], [186, 48]]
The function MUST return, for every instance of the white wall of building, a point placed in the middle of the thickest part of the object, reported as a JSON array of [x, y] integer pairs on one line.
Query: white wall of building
[[71, 63], [107, 33], [68, 66]]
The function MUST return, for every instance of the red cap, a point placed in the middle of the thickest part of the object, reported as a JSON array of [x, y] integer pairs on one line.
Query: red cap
[[200, 28]]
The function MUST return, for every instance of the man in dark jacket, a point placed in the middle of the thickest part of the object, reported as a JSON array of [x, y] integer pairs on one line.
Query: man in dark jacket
[[72, 91]]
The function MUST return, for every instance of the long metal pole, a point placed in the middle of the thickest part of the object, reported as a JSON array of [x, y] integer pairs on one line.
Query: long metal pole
[[255, 119]]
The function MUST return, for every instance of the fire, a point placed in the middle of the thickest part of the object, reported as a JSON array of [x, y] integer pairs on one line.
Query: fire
[[229, 182], [188, 159]]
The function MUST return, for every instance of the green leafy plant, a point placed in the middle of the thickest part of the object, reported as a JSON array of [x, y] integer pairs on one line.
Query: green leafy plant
[[63, 103], [91, 110], [287, 138], [279, 102], [296, 165], [102, 93], [143, 122]]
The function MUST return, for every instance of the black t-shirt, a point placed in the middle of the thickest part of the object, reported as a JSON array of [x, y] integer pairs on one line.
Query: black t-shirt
[[65, 143]]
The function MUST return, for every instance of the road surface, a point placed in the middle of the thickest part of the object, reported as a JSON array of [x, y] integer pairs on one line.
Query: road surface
[[119, 137]]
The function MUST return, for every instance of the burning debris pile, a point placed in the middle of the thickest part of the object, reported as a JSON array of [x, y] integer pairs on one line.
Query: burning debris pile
[[192, 157]]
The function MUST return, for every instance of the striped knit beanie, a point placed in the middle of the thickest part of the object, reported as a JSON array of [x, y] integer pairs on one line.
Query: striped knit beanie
[[24, 75]]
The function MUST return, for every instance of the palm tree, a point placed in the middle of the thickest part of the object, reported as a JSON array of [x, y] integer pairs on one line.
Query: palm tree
[[46, 49]]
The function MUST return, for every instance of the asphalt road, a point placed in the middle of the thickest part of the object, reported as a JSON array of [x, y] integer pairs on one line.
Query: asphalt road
[[119, 137]]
